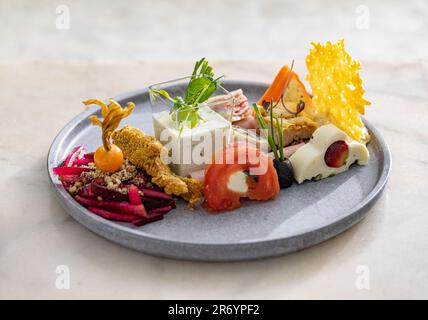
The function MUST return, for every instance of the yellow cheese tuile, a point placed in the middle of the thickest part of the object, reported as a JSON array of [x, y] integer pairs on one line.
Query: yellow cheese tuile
[[337, 88]]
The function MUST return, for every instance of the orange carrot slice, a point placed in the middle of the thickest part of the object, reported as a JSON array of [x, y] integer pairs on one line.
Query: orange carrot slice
[[277, 87]]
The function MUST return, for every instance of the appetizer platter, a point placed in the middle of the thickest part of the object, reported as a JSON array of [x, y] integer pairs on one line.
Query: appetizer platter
[[205, 168]]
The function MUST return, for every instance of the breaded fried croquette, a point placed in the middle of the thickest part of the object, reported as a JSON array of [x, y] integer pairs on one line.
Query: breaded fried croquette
[[144, 152], [195, 192]]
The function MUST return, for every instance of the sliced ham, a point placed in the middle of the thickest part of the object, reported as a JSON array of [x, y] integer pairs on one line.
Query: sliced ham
[[239, 104]]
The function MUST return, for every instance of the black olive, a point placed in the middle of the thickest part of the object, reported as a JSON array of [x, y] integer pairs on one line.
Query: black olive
[[285, 172], [254, 178]]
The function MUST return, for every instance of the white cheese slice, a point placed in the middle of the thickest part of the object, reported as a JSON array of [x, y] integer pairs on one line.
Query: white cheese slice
[[308, 161]]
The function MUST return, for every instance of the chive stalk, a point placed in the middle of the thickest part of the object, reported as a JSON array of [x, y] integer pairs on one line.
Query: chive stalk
[[280, 139], [265, 127]]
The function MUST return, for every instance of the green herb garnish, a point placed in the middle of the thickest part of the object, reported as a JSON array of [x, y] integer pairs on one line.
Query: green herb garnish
[[274, 121], [201, 87], [280, 139]]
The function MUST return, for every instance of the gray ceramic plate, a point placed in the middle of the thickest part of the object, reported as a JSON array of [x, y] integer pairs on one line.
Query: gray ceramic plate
[[300, 217]]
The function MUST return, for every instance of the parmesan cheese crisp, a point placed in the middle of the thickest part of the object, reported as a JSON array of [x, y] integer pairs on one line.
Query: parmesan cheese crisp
[[337, 87]]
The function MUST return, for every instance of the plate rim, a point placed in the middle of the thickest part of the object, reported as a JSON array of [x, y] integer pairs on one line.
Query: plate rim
[[69, 204]]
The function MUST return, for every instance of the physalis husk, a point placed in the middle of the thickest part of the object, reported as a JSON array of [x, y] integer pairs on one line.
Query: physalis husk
[[337, 87], [112, 115]]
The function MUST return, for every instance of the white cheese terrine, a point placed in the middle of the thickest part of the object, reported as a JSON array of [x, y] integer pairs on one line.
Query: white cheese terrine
[[329, 152], [194, 148]]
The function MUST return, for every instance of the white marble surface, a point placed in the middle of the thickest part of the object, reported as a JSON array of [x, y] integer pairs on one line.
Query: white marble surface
[[221, 29], [36, 235]]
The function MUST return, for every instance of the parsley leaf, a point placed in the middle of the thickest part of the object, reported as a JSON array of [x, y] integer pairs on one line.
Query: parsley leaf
[[200, 88]]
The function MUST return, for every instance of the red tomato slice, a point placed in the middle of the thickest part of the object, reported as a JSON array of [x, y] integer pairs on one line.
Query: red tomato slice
[[226, 162]]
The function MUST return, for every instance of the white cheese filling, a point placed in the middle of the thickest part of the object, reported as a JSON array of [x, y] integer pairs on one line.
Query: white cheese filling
[[238, 182], [308, 161]]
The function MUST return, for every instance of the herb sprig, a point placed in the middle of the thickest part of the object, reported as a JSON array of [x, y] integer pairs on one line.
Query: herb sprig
[[277, 151], [200, 88]]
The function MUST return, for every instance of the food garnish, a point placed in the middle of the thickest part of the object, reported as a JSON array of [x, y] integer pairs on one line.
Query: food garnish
[[299, 108], [288, 94], [291, 123], [329, 152], [202, 85], [283, 167], [109, 157], [337, 88], [270, 134], [222, 194], [276, 89]]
